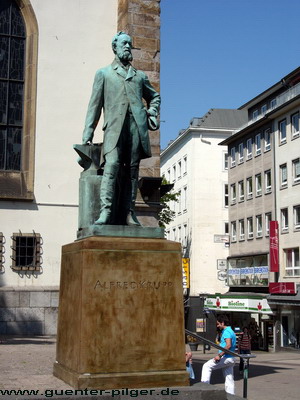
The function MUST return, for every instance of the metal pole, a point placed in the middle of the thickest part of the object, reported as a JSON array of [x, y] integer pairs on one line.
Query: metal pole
[[245, 369]]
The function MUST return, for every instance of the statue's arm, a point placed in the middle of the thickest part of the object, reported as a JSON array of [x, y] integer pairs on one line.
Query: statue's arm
[[94, 108], [152, 98]]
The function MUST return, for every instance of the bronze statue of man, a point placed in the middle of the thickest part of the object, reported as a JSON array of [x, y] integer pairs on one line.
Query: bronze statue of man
[[119, 90]]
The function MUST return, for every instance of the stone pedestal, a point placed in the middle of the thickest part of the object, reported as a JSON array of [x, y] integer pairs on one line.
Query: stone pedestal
[[121, 314]]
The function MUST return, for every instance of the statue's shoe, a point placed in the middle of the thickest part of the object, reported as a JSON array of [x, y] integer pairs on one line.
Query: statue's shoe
[[132, 220], [103, 218]]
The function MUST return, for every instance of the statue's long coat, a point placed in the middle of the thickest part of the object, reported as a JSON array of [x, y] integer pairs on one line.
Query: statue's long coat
[[114, 90]]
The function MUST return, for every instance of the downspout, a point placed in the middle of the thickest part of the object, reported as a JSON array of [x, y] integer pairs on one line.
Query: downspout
[[276, 274]]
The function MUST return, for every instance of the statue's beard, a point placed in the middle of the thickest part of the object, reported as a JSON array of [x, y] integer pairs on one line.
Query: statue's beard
[[125, 56]]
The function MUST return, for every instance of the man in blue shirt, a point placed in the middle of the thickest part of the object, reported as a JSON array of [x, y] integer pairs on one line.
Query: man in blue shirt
[[223, 360]]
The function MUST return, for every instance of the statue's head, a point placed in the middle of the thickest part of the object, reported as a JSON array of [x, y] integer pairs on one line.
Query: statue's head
[[122, 45]]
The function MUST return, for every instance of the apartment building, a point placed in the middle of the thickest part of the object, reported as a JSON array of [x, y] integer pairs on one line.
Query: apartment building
[[264, 216], [197, 166]]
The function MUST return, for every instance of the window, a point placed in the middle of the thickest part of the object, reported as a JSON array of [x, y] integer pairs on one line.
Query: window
[[184, 165], [174, 234], [184, 199], [268, 217], [233, 193], [254, 115], [226, 228], [250, 227], [259, 226], [18, 37], [257, 144], [249, 188], [249, 149], [268, 181], [292, 265], [226, 195], [26, 254], [179, 202], [282, 131], [179, 234], [284, 220], [241, 152], [242, 229], [168, 176], [174, 173], [258, 184], [179, 169], [12, 86], [263, 109], [241, 191], [295, 124], [267, 139], [184, 235], [232, 153], [273, 104], [296, 170], [225, 161], [297, 217], [283, 175], [233, 231]]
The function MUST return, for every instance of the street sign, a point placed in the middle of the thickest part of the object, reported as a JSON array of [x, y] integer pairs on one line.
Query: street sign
[[222, 265], [222, 275], [221, 238]]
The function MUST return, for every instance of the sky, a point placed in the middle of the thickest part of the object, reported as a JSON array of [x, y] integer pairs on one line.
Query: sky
[[221, 54]]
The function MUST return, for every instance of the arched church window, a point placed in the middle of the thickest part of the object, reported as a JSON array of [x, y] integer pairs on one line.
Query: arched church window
[[18, 72], [12, 58]]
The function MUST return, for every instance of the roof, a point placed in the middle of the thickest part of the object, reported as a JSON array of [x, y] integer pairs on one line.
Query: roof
[[220, 118], [215, 118], [285, 80]]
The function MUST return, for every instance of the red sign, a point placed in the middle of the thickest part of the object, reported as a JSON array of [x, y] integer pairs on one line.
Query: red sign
[[282, 288], [274, 247]]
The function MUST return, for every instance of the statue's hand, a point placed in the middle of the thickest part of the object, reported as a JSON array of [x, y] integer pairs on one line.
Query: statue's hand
[[151, 112], [87, 140]]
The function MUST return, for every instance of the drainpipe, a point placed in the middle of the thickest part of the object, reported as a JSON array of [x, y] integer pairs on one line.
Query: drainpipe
[[276, 274]]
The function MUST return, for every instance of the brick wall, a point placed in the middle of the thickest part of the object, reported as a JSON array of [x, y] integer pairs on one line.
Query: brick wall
[[141, 20]]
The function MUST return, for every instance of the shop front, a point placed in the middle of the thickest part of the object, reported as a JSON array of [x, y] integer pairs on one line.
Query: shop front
[[246, 310], [287, 308]]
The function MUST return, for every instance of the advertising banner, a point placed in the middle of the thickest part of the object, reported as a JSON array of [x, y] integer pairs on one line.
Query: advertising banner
[[274, 247], [282, 288], [246, 304], [200, 325], [186, 273]]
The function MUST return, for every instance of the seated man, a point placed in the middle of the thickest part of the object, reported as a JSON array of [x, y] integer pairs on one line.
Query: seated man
[[222, 360]]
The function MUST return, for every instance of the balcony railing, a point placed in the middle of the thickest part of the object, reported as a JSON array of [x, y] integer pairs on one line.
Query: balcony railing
[[277, 102]]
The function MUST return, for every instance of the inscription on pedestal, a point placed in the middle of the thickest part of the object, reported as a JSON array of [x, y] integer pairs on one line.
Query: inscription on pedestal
[[104, 285]]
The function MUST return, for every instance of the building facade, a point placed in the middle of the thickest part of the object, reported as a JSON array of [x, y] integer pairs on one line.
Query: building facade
[[264, 199], [51, 51], [197, 166]]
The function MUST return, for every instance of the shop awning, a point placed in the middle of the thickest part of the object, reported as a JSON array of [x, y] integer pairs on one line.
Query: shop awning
[[291, 300], [240, 302]]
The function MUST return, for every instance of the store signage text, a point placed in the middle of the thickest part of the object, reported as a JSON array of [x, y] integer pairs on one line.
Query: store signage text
[[282, 288]]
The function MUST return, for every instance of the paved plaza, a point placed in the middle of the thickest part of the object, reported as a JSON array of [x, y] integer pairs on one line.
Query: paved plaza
[[26, 363]]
